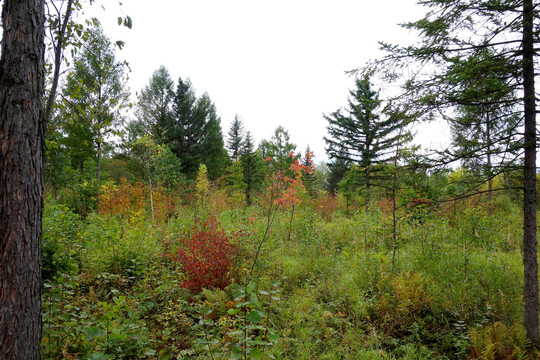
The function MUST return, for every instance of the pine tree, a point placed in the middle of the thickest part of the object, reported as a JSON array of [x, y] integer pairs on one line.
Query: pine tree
[[359, 135], [22, 146], [236, 137]]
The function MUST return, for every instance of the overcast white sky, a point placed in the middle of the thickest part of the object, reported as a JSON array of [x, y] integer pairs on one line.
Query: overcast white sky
[[279, 62]]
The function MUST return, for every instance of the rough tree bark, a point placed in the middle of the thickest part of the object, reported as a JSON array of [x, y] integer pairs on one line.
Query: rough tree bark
[[21, 186], [530, 263]]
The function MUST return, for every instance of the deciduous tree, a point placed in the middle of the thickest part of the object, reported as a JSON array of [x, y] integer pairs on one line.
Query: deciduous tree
[[94, 96]]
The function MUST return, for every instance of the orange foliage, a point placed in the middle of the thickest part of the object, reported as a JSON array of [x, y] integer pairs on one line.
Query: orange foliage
[[327, 206], [123, 199]]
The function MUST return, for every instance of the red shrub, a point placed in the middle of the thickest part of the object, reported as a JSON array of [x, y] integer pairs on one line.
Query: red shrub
[[207, 256]]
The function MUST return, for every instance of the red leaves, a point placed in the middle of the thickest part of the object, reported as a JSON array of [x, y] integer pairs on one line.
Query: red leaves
[[207, 256]]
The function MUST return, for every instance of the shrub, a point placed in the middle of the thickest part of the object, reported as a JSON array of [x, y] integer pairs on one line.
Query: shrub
[[207, 256], [61, 245]]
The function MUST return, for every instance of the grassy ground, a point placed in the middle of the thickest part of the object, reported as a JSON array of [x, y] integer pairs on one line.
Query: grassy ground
[[325, 285]]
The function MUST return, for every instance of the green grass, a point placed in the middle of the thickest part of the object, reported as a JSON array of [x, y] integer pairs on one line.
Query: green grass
[[342, 292]]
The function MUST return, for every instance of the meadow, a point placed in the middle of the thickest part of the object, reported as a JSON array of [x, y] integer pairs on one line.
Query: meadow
[[211, 278]]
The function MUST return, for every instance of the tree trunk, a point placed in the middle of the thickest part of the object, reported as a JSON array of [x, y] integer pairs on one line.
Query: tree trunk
[[530, 263], [490, 173], [58, 54], [368, 189], [98, 160], [22, 132]]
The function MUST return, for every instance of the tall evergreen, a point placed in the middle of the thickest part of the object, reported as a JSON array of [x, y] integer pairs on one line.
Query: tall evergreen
[[253, 165], [236, 137], [454, 30], [360, 134], [196, 136], [22, 146], [214, 153], [484, 128]]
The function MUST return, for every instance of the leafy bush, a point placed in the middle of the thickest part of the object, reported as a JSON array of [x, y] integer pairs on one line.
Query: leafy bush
[[61, 250], [208, 256]]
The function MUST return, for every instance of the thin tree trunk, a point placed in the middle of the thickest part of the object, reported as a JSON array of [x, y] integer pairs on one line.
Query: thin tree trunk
[[98, 161], [22, 133], [58, 52], [368, 189], [490, 179], [530, 263], [151, 196]]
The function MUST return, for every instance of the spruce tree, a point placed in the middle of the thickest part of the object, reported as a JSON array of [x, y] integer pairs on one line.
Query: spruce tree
[[453, 30], [360, 134], [236, 137], [253, 165], [309, 177], [280, 149], [186, 138], [214, 153]]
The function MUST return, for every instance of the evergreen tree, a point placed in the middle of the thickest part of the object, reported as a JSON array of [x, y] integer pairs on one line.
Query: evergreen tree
[[309, 177], [338, 169], [280, 149], [454, 30], [214, 153], [196, 136], [235, 180], [484, 127], [253, 165], [236, 137], [359, 135], [21, 178], [187, 136]]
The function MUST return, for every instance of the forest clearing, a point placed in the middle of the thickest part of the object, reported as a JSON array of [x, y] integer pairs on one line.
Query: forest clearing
[[132, 226]]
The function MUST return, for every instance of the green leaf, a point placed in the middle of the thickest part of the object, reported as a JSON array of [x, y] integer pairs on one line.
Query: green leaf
[[119, 21], [99, 356], [250, 287], [253, 300], [254, 317], [273, 338], [94, 332], [256, 354], [150, 352]]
